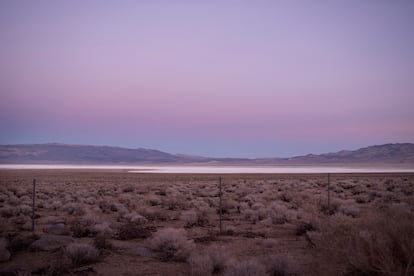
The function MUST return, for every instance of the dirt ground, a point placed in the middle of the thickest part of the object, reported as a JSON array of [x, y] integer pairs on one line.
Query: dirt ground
[[120, 223]]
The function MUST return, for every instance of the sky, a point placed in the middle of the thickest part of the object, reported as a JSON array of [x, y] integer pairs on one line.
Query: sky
[[212, 78]]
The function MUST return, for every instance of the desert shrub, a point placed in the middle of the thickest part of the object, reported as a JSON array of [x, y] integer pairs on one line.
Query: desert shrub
[[279, 213], [105, 207], [195, 218], [83, 228], [349, 210], [7, 212], [153, 214], [304, 227], [138, 219], [89, 200], [4, 253], [251, 215], [245, 268], [102, 229], [175, 202], [257, 206], [161, 192], [190, 218], [362, 199], [213, 260], [23, 210], [153, 200], [280, 265], [119, 207], [286, 197], [242, 207], [128, 189], [229, 230], [172, 244], [130, 231], [80, 253], [102, 242], [74, 209], [21, 222], [381, 244], [18, 242], [328, 209], [227, 205]]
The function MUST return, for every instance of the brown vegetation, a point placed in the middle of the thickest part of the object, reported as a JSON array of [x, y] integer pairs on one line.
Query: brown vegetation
[[119, 223]]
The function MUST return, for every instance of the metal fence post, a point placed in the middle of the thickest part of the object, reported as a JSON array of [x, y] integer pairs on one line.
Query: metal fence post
[[329, 193], [33, 204], [220, 204]]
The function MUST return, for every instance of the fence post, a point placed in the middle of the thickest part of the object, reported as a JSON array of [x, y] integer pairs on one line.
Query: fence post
[[329, 193], [33, 204], [220, 204]]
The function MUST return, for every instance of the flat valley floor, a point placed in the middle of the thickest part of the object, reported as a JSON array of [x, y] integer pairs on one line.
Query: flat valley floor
[[111, 222]]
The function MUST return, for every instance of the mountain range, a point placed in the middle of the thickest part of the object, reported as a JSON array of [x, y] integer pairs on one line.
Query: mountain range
[[400, 153]]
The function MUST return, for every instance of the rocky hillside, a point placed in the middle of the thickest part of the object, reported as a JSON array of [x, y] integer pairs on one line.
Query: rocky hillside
[[62, 153], [388, 153], [83, 154]]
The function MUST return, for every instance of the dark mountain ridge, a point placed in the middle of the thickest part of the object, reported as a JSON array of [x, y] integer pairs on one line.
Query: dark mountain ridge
[[400, 153]]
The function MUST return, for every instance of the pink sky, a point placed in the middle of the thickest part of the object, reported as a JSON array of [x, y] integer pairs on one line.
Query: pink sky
[[216, 78]]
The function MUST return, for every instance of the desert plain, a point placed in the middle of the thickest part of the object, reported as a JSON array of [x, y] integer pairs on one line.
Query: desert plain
[[112, 222]]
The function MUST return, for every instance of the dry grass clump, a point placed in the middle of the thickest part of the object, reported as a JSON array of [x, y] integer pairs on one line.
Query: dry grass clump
[[382, 244], [172, 244], [80, 253]]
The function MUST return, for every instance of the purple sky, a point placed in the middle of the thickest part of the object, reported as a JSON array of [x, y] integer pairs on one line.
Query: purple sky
[[215, 78]]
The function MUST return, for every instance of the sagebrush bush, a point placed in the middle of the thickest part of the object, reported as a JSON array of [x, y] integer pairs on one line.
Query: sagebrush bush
[[83, 228], [80, 253], [381, 244], [328, 209], [349, 210], [102, 242], [172, 244], [212, 261], [74, 209], [130, 231], [195, 218], [136, 218]]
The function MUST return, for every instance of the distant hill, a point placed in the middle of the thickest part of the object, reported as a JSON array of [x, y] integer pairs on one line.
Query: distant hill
[[63, 153], [388, 153], [402, 153]]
